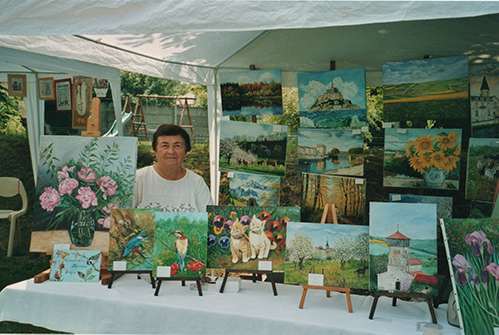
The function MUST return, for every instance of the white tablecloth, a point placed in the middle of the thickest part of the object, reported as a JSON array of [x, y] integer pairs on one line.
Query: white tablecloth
[[131, 307]]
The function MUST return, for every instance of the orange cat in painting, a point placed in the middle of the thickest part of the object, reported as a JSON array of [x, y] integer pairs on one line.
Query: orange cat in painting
[[239, 242]]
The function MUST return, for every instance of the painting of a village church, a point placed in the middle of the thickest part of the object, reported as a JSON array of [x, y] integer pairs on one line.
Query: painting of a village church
[[484, 89], [403, 248]]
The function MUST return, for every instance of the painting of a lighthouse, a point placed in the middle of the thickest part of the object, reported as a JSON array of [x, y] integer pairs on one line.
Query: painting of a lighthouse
[[403, 248]]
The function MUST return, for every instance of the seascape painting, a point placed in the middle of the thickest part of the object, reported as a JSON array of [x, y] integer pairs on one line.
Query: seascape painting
[[253, 148], [482, 169], [403, 247], [339, 252], [264, 189], [332, 99], [471, 247], [422, 158], [331, 151], [79, 181], [251, 92], [444, 204], [484, 100], [239, 237], [347, 194], [80, 266]]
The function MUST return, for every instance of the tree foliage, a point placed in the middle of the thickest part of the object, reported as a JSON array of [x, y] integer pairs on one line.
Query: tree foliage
[[10, 118]]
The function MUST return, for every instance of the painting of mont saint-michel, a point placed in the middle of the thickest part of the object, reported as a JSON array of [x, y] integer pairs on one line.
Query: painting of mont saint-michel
[[403, 247], [434, 89], [251, 92], [264, 189], [484, 99], [332, 99], [331, 151]]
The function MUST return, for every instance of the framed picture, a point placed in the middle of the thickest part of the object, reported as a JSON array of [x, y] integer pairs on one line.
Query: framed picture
[[17, 85], [63, 96], [82, 101], [46, 89]]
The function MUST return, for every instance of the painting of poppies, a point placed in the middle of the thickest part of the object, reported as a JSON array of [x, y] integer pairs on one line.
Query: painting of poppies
[[339, 252], [483, 169], [332, 99], [422, 158], [471, 246], [403, 247], [131, 238], [81, 266], [331, 151], [253, 148], [264, 189], [251, 92], [180, 244], [241, 237], [433, 89], [79, 181], [484, 100], [347, 194]]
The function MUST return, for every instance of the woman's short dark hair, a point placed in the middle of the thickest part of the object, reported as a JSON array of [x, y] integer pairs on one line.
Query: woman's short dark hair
[[171, 130]]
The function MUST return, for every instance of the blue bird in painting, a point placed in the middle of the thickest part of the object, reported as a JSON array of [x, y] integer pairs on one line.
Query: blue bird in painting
[[181, 246], [134, 244]]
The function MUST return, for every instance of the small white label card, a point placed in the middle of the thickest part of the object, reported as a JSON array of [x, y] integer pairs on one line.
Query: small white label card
[[316, 279], [265, 265], [62, 246], [119, 266], [387, 125], [356, 132], [359, 181], [164, 271], [364, 129], [401, 131], [230, 174], [396, 197]]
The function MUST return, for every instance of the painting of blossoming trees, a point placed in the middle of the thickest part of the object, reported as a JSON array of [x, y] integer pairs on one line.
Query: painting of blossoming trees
[[241, 236], [422, 158], [339, 252], [471, 246], [79, 181]]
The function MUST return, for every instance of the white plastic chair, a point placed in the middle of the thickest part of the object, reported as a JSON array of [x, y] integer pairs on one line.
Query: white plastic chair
[[10, 187]]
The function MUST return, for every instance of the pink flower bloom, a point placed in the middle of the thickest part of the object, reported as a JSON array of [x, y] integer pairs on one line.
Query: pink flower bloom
[[63, 174], [110, 206], [106, 222], [86, 174], [107, 186], [86, 197], [67, 186], [493, 269], [49, 199]]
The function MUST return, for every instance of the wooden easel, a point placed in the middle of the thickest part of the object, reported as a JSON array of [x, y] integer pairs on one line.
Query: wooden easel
[[183, 101], [183, 280], [116, 274], [270, 275], [401, 295]]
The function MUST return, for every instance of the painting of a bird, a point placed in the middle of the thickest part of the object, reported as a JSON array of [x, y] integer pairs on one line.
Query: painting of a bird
[[181, 246], [134, 244]]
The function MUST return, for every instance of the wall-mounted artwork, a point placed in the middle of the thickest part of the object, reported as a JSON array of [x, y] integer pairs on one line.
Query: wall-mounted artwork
[[253, 147], [483, 169], [180, 244], [484, 99], [347, 194], [331, 151], [433, 89], [332, 99], [241, 237], [339, 252], [480, 209], [82, 101], [374, 99], [79, 181], [131, 238], [251, 92], [444, 204], [81, 266], [264, 189], [403, 247], [422, 158], [471, 246]]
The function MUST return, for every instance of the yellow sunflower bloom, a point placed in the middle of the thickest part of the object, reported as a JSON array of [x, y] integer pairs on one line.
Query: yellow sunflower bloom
[[457, 151], [438, 160], [425, 161], [424, 144], [415, 163], [450, 163], [446, 142]]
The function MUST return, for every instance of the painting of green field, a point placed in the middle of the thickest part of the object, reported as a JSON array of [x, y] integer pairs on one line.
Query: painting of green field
[[483, 169], [339, 252]]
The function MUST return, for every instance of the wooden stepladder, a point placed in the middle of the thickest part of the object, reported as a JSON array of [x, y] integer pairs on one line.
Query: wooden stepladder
[[184, 102], [138, 120]]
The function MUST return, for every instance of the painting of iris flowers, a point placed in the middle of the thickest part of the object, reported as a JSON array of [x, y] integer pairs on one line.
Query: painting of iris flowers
[[471, 246]]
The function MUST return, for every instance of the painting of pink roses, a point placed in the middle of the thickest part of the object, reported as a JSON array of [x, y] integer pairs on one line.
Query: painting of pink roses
[[79, 181]]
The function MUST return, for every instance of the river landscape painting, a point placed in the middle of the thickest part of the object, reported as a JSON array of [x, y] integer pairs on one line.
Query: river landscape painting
[[264, 189]]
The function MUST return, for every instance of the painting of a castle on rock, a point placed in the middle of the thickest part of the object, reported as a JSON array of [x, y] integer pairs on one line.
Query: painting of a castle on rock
[[403, 247], [264, 189], [339, 252], [331, 151], [484, 99], [332, 99]]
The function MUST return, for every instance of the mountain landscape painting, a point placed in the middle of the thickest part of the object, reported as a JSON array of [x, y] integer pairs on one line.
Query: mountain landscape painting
[[264, 189]]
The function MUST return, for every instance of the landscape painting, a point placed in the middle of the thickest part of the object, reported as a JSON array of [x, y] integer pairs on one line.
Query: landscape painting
[[332, 99], [403, 247], [422, 158], [239, 237], [471, 247], [131, 238], [483, 169], [339, 252], [347, 194], [79, 181], [444, 204], [253, 148], [484, 100], [251, 92], [331, 151], [480, 209], [264, 189], [81, 266], [431, 90], [180, 244]]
